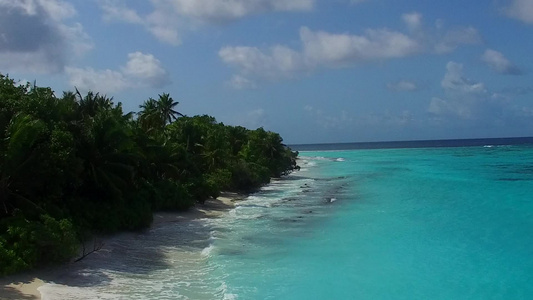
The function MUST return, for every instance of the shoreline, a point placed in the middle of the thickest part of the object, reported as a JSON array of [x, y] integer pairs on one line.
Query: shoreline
[[26, 285], [212, 208]]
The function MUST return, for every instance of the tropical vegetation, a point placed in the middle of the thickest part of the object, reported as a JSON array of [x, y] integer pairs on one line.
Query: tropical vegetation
[[76, 166]]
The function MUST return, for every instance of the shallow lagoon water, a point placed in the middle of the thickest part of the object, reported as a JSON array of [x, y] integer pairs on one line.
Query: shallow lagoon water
[[432, 223]]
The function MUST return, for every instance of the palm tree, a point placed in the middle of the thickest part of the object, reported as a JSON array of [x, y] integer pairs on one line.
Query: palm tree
[[108, 152], [165, 107], [149, 116], [237, 136], [17, 156], [92, 103]]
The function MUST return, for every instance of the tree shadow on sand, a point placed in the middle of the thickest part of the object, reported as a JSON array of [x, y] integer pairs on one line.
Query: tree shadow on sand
[[130, 254], [8, 292], [12, 287], [142, 253]]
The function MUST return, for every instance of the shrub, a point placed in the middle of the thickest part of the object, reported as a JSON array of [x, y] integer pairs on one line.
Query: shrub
[[29, 243]]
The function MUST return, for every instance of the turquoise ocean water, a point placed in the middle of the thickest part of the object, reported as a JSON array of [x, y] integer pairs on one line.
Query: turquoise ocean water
[[418, 223]]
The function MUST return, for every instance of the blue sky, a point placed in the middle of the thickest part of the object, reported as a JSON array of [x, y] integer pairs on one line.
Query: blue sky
[[312, 70]]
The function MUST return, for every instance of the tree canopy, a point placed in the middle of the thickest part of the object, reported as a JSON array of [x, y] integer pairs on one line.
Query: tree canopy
[[77, 165]]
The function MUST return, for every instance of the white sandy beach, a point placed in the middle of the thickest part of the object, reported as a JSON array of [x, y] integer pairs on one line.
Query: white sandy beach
[[26, 285], [23, 286]]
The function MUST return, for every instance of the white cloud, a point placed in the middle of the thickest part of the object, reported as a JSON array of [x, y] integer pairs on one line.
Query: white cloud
[[438, 39], [250, 119], [413, 20], [441, 107], [56, 9], [162, 22], [321, 49], [169, 18], [141, 70], [115, 11], [104, 81], [340, 121], [521, 10], [35, 35], [402, 86], [457, 37], [278, 60], [23, 82], [468, 100], [146, 68], [499, 63], [165, 24], [166, 35], [454, 82], [240, 83], [216, 10], [80, 42]]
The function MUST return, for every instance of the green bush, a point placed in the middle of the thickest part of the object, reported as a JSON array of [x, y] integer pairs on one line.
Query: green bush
[[57, 239], [248, 176], [137, 212], [26, 243], [170, 195], [217, 181]]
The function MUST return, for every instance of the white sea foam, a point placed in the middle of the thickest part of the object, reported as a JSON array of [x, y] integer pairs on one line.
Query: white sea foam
[[271, 187], [52, 291], [207, 250], [233, 212], [317, 158], [223, 290], [214, 235], [230, 296], [497, 146]]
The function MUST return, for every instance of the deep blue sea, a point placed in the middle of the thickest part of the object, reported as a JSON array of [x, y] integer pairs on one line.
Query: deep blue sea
[[439, 222]]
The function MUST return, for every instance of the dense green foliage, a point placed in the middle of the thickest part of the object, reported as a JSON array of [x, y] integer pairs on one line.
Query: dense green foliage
[[74, 165]]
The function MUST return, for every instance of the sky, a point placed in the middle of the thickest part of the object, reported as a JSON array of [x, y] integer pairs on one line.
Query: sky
[[315, 71]]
